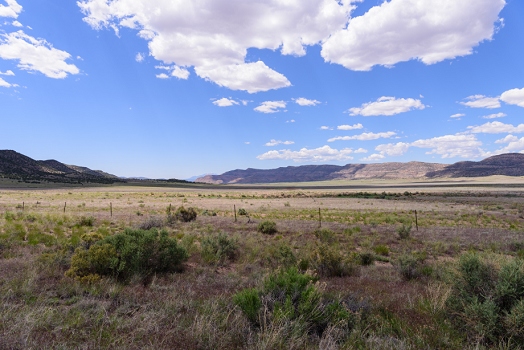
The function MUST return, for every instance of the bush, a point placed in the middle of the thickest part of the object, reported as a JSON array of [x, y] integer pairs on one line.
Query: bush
[[217, 249], [324, 235], [366, 259], [488, 303], [267, 227], [404, 231], [133, 252], [88, 221], [152, 222], [329, 262], [410, 266], [182, 214], [381, 250]]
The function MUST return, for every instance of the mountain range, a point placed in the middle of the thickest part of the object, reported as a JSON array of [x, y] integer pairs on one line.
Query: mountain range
[[14, 165], [509, 164]]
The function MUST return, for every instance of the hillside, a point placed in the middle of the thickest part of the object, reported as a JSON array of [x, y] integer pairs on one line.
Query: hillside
[[511, 164], [14, 165]]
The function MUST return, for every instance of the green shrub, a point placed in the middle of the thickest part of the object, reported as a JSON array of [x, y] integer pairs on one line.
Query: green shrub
[[133, 252], [87, 221], [324, 235], [182, 214], [329, 262], [218, 249], [404, 231], [381, 249], [267, 227], [488, 303], [289, 296], [242, 212], [410, 266], [366, 259]]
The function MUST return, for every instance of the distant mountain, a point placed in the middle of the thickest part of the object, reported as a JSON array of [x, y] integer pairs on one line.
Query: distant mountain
[[511, 164], [14, 165], [193, 178]]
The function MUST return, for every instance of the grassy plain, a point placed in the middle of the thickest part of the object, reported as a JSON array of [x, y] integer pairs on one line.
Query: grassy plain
[[369, 233]]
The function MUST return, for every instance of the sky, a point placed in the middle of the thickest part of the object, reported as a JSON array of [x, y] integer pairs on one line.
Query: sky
[[177, 88]]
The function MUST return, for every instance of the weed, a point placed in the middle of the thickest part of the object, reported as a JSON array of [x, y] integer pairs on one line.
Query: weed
[[267, 227], [218, 249]]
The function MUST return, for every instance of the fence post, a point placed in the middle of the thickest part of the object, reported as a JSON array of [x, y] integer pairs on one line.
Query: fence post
[[416, 220], [111, 208], [65, 204], [235, 211], [319, 218]]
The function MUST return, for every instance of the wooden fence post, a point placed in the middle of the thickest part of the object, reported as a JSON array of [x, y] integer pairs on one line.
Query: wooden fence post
[[235, 211], [319, 218], [416, 220], [65, 204], [111, 208]]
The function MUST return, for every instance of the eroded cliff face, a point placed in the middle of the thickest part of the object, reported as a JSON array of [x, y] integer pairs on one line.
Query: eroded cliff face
[[511, 164]]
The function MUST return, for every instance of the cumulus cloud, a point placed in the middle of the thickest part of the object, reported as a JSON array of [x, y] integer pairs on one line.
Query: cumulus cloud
[[271, 106], [508, 139], [290, 121], [401, 30], [495, 116], [365, 136], [4, 83], [305, 102], [513, 97], [458, 115], [225, 102], [321, 154], [374, 157], [324, 127], [36, 55], [12, 9], [139, 57], [350, 127], [450, 146], [214, 35], [361, 150], [162, 76], [387, 106], [393, 149], [7, 72], [16, 24], [515, 145], [274, 142], [496, 128], [481, 101]]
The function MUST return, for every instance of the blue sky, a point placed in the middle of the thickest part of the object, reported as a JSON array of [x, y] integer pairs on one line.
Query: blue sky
[[175, 88]]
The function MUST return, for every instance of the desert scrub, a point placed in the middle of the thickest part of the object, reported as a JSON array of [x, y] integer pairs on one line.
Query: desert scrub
[[267, 227], [123, 255], [290, 298], [412, 266], [328, 261], [404, 231], [325, 235], [488, 302], [87, 221], [151, 222], [218, 249], [182, 214]]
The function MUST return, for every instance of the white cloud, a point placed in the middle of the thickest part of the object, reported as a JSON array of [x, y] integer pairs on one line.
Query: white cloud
[[481, 101], [458, 115], [401, 30], [305, 102], [508, 139], [449, 146], [361, 150], [278, 142], [496, 128], [250, 77], [4, 83], [387, 106], [514, 146], [350, 127], [139, 57], [11, 10], [8, 72], [290, 121], [321, 154], [247, 143], [17, 24], [36, 55], [162, 76], [271, 106], [374, 157], [180, 73], [393, 149], [365, 136], [513, 97], [495, 116], [324, 127], [214, 35], [225, 102]]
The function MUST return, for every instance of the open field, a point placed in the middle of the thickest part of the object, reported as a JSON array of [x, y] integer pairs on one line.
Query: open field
[[380, 276]]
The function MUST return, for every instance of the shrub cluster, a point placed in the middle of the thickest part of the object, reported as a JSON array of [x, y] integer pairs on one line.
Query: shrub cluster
[[123, 255], [181, 214], [404, 231], [328, 261], [267, 227], [488, 303], [218, 249], [289, 297]]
